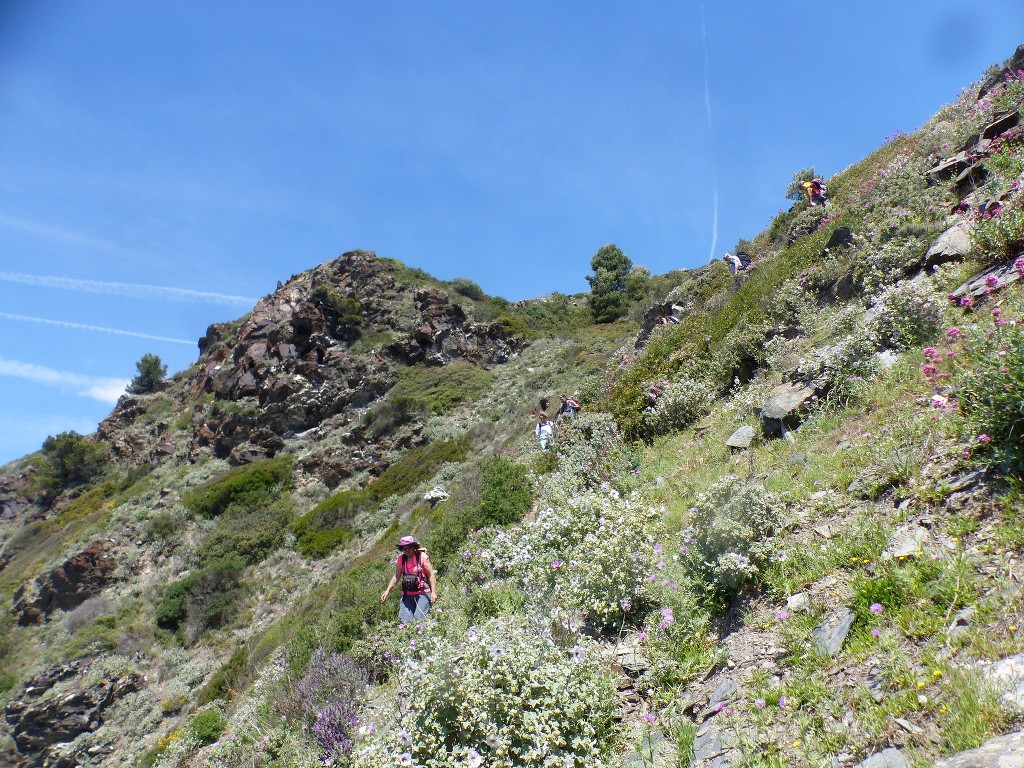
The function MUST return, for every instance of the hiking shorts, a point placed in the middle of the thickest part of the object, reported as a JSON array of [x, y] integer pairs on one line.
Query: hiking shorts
[[413, 608]]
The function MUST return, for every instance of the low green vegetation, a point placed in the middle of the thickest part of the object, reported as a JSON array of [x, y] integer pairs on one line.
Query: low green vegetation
[[329, 524], [438, 389], [250, 484]]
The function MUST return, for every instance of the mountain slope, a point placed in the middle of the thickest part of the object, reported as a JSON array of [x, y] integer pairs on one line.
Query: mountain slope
[[783, 531]]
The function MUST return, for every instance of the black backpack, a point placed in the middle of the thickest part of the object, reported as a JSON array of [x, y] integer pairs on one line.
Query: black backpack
[[412, 582], [744, 258]]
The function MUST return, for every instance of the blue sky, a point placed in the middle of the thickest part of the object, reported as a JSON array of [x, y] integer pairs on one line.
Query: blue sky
[[164, 164]]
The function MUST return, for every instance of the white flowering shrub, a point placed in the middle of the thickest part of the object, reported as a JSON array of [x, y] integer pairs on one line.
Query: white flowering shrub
[[592, 555], [505, 694], [729, 541], [905, 315], [590, 452], [677, 404]]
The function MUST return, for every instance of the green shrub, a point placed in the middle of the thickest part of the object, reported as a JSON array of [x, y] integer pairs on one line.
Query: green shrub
[[160, 527], [677, 404], [990, 373], [228, 680], [345, 314], [207, 726], [438, 389], [511, 694], [514, 325], [387, 415], [151, 372], [506, 495], [205, 599], [906, 315], [467, 288], [415, 466], [1000, 237], [250, 533], [320, 542], [253, 484], [69, 460], [328, 525]]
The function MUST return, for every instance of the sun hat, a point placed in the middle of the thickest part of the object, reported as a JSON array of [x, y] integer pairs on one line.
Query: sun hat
[[406, 541]]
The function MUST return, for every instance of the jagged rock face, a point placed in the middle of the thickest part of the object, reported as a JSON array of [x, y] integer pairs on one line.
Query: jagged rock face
[[289, 365], [40, 722], [65, 587], [442, 334], [13, 502]]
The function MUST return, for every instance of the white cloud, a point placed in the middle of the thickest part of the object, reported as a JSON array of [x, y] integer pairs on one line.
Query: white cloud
[[98, 328], [103, 389], [130, 290]]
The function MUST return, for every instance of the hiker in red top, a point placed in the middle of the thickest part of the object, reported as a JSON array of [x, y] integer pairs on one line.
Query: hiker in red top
[[419, 584], [815, 191]]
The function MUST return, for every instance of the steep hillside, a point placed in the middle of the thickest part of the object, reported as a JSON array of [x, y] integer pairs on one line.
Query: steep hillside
[[784, 529]]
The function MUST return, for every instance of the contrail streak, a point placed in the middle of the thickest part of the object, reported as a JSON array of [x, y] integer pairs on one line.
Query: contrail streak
[[711, 135], [104, 389], [130, 290], [98, 328]]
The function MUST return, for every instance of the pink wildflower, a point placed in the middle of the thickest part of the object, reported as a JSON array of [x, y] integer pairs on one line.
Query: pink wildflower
[[876, 608], [984, 439]]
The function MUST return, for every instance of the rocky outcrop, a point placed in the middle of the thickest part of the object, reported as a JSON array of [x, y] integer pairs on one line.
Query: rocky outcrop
[[289, 366], [1014, 64], [1001, 752], [443, 334], [66, 586], [42, 717], [952, 245], [780, 412]]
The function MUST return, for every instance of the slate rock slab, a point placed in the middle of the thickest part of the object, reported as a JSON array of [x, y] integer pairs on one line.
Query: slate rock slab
[[887, 758], [830, 635], [952, 245], [741, 438], [976, 287], [1001, 752], [1007, 677], [655, 751], [907, 541], [713, 748]]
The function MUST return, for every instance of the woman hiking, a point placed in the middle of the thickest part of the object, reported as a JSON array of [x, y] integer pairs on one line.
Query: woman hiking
[[419, 583]]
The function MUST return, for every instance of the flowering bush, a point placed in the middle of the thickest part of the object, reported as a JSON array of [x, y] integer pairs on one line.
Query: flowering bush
[[990, 373], [506, 694], [905, 315], [591, 555], [327, 698], [1000, 236], [677, 404], [729, 541], [590, 452]]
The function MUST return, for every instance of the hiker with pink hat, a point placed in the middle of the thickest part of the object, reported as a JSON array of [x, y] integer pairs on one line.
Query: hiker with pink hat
[[419, 584]]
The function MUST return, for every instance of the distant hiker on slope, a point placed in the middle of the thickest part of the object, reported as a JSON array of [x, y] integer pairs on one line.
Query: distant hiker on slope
[[544, 431], [815, 191], [419, 584], [738, 262], [569, 408]]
